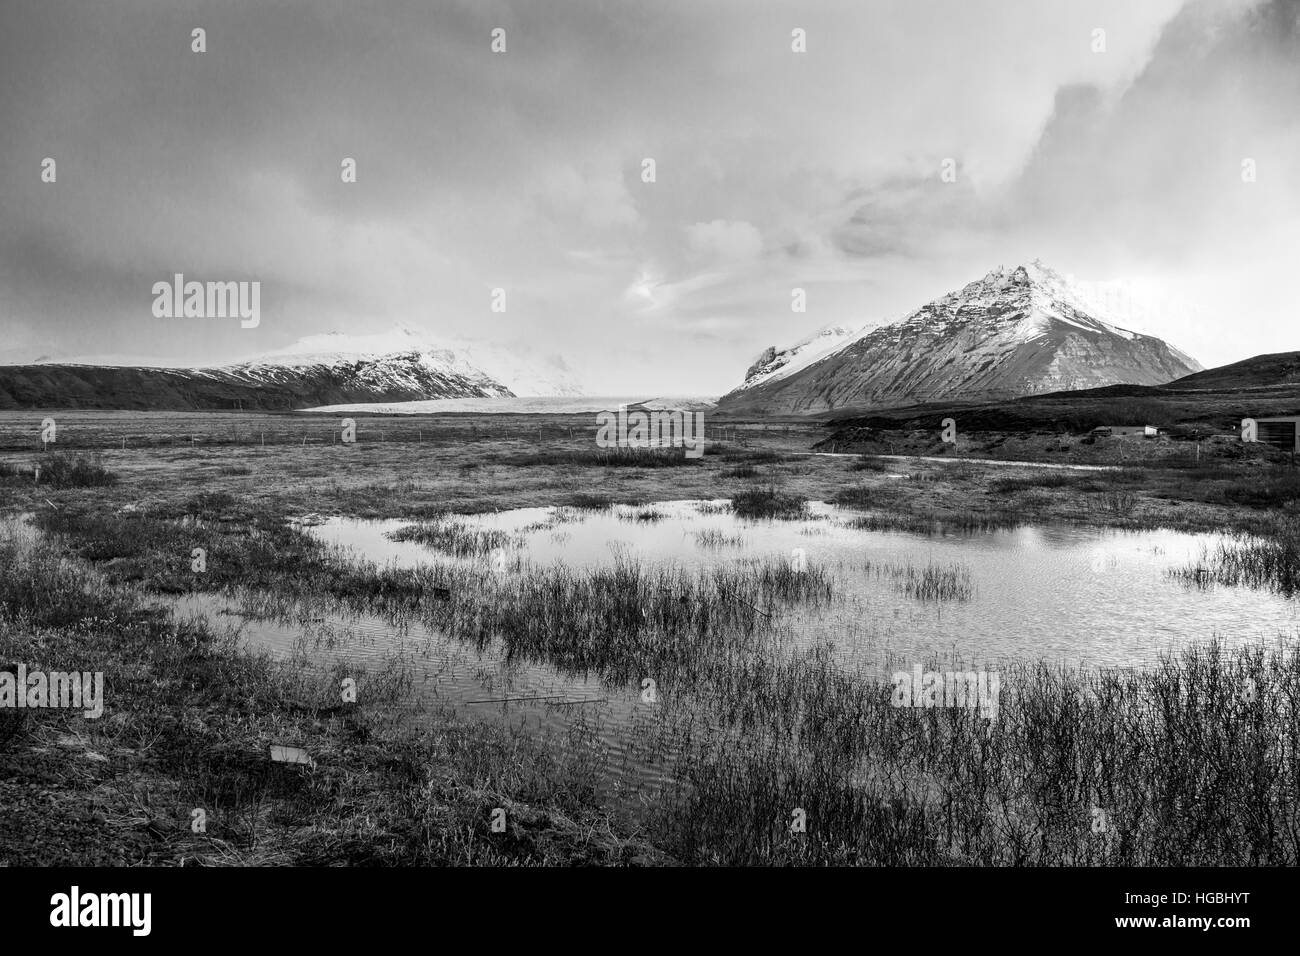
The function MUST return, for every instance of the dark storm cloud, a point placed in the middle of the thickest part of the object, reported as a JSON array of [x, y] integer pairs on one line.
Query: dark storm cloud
[[1151, 182]]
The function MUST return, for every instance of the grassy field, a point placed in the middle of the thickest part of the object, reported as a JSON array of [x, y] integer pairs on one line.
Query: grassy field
[[425, 467], [1191, 761]]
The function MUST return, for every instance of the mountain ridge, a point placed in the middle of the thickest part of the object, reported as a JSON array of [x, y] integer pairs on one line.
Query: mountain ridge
[[397, 365]]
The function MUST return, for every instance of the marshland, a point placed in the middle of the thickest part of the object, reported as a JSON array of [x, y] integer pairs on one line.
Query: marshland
[[641, 657]]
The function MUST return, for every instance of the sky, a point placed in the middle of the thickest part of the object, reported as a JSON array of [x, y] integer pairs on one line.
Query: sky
[[1108, 138]]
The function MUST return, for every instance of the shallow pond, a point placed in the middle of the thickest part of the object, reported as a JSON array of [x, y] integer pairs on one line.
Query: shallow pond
[[1063, 594]]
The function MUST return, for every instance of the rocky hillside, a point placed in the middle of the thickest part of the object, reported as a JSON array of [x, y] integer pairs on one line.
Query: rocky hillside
[[1016, 332]]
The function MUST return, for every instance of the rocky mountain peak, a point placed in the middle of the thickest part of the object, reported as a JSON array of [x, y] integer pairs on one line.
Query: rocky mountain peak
[[1017, 331]]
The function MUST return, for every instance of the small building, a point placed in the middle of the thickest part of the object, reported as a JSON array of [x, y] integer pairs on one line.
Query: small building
[[1150, 431], [1283, 432]]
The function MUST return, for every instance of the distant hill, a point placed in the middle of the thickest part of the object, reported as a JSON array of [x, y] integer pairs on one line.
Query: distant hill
[[1020, 331], [1262, 371], [1215, 400]]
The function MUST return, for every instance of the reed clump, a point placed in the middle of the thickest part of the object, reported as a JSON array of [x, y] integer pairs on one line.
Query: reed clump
[[768, 502], [714, 538], [1270, 561], [456, 538], [1187, 763], [930, 582]]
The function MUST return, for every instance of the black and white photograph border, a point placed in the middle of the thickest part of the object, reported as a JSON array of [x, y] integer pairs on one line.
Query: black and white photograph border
[[700, 434]]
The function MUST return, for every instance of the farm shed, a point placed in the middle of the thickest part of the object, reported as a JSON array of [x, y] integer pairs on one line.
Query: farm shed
[[1283, 433]]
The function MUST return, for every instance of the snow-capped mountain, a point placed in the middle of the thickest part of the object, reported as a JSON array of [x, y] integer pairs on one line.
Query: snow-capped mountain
[[399, 365], [1019, 331]]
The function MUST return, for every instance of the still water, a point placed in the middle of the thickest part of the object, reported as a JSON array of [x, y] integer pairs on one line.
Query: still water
[[1060, 593], [1065, 594]]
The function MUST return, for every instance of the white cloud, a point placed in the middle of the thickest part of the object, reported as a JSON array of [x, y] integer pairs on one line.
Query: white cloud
[[725, 241], [594, 196]]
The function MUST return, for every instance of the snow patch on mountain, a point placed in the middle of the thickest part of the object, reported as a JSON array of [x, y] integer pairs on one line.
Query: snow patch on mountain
[[504, 369], [772, 365]]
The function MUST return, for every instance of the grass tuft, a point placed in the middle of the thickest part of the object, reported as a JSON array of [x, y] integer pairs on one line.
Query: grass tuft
[[768, 502]]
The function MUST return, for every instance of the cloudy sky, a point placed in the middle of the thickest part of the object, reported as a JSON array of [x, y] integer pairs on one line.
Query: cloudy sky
[[522, 170]]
